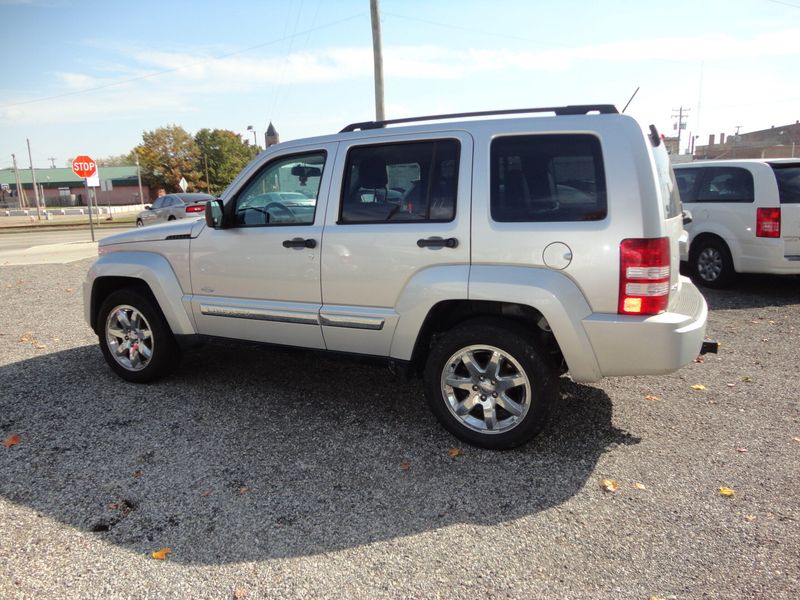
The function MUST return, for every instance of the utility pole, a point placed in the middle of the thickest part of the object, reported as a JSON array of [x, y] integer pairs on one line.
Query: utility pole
[[33, 179], [20, 191], [208, 185], [52, 160], [377, 53], [139, 177], [681, 124]]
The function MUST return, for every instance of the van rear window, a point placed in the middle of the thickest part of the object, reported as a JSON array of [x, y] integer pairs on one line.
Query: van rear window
[[788, 177]]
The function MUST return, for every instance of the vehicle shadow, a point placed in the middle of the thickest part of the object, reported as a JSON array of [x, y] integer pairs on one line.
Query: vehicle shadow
[[754, 291], [251, 454]]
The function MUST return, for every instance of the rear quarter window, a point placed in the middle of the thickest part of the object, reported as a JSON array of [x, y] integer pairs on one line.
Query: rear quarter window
[[726, 184], [537, 178]]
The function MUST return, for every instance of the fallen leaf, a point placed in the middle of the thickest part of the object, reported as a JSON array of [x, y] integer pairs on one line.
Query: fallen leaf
[[205, 493], [731, 384], [750, 518], [609, 485], [727, 492], [161, 554], [240, 593], [69, 290], [797, 439], [405, 465], [243, 490], [656, 598], [137, 474], [747, 379], [453, 452], [700, 359], [40, 346], [698, 386], [651, 397], [742, 450], [11, 440], [638, 486], [24, 338]]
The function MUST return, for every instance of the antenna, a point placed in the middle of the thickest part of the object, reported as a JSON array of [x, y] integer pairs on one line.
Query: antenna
[[630, 100]]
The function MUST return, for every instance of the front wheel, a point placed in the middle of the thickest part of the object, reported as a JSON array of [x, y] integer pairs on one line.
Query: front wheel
[[490, 386], [139, 223], [135, 339]]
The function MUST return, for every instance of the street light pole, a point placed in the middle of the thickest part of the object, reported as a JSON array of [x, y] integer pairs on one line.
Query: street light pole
[[139, 177], [33, 179], [255, 139]]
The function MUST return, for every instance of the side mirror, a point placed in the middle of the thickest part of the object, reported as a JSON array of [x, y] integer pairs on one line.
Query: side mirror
[[215, 215], [687, 217]]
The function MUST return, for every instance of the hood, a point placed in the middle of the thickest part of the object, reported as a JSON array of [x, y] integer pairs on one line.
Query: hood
[[185, 228]]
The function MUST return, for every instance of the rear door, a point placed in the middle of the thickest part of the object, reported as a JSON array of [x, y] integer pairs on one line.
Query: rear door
[[403, 208], [787, 176], [673, 214]]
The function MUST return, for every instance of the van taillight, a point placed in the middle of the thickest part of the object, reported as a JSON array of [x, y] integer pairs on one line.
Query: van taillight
[[644, 270], [195, 208], [768, 222]]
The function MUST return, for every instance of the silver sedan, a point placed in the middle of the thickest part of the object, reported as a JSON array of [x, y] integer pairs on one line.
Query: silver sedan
[[172, 207]]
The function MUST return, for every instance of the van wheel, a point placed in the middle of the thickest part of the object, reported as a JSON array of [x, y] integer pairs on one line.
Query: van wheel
[[488, 385], [139, 223], [712, 265], [135, 338]]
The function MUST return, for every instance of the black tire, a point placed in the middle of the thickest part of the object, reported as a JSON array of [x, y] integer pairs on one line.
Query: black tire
[[532, 401], [139, 223], [164, 351], [171, 218], [711, 263]]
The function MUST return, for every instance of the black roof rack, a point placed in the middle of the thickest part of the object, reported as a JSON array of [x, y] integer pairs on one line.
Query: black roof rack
[[579, 109]]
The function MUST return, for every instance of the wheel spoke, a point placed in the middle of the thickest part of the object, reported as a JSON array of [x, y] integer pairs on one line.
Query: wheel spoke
[[490, 416], [145, 334], [465, 406], [468, 358], [506, 383], [514, 408], [122, 318], [493, 368], [145, 351], [460, 383], [117, 333]]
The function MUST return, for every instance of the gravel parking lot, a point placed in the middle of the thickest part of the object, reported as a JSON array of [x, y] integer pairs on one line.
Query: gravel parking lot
[[270, 474]]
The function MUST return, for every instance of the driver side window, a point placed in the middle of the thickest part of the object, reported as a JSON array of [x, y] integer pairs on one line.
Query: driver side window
[[284, 192]]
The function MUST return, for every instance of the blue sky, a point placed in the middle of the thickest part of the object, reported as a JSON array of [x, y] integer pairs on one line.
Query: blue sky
[[89, 77]]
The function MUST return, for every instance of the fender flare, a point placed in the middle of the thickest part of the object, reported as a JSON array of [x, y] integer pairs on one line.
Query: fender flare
[[156, 272]]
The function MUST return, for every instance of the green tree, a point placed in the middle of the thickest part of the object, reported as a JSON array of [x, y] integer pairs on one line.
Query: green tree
[[224, 153], [166, 154], [117, 160]]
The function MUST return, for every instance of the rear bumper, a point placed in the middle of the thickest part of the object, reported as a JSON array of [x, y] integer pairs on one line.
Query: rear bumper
[[629, 345]]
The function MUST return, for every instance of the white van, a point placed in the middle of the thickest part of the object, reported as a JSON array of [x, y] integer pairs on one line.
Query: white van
[[745, 218]]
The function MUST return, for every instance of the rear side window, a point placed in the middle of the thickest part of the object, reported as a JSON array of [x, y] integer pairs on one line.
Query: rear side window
[[788, 177], [725, 184], [538, 178], [686, 180], [670, 196], [402, 182]]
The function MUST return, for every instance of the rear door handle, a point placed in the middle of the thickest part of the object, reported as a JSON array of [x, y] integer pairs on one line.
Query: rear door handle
[[437, 242], [300, 243]]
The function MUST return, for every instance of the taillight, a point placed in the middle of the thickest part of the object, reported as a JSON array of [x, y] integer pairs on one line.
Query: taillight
[[195, 208], [644, 269], [768, 222]]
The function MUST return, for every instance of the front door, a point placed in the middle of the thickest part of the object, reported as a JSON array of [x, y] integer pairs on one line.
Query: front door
[[259, 279]]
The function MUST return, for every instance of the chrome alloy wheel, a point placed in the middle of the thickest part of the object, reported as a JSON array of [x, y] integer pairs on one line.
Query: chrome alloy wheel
[[709, 264], [129, 337], [486, 389]]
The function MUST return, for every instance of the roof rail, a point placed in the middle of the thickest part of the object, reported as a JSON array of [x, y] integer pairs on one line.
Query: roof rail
[[579, 109]]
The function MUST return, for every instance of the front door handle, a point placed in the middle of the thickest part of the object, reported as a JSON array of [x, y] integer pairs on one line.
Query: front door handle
[[437, 242], [300, 243]]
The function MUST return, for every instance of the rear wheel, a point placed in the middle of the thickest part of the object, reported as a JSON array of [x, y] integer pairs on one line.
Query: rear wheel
[[489, 385], [139, 223], [711, 262], [135, 339]]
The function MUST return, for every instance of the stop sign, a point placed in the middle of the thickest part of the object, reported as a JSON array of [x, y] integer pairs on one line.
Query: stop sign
[[84, 166]]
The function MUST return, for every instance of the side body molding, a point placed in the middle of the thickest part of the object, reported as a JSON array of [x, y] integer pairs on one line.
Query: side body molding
[[555, 296], [424, 290], [156, 272]]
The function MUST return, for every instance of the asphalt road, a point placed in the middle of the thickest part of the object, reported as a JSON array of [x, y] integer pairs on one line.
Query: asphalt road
[[18, 240], [275, 475]]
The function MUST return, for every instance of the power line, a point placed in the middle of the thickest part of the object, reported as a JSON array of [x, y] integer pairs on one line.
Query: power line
[[187, 66], [783, 3]]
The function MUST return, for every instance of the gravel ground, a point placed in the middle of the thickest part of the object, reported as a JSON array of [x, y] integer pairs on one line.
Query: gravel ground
[[274, 475]]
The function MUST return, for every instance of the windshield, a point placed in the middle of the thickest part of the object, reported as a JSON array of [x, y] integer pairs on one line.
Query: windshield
[[788, 177]]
